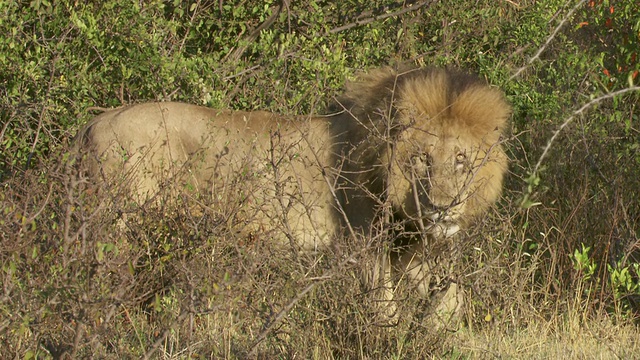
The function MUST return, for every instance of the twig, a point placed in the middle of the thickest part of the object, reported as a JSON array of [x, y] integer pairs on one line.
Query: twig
[[334, 195], [282, 313], [6, 126], [247, 70], [186, 33], [156, 344], [43, 111], [99, 108], [76, 339], [573, 116], [412, 7], [549, 39], [285, 311], [244, 43]]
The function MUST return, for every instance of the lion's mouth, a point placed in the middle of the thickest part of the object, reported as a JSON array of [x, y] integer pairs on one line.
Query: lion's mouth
[[441, 216], [443, 229], [442, 224]]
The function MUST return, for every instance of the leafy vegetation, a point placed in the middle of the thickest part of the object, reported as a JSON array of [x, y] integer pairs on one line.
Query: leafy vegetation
[[559, 254]]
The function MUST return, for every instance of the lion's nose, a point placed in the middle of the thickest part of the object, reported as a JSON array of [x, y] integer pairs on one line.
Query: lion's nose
[[439, 215]]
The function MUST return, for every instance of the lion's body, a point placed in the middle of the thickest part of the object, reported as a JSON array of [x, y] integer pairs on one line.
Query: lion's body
[[270, 166], [419, 150]]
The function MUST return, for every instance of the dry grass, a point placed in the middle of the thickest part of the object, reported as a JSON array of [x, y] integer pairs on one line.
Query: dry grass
[[86, 276], [172, 284], [92, 275], [566, 336]]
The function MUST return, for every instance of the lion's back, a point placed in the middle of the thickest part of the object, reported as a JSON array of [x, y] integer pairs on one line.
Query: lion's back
[[266, 170]]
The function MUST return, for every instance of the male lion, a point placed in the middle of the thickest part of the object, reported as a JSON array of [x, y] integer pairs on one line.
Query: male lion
[[415, 154]]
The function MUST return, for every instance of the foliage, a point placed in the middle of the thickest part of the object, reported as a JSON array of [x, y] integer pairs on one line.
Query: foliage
[[622, 279], [614, 28], [75, 282]]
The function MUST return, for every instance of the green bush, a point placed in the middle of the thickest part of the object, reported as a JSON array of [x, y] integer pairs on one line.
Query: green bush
[[170, 283]]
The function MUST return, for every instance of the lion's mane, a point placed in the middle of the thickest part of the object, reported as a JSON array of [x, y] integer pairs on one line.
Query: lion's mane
[[383, 105]]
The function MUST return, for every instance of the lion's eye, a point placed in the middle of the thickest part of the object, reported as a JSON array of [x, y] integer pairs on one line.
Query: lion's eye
[[419, 158], [420, 162], [461, 161]]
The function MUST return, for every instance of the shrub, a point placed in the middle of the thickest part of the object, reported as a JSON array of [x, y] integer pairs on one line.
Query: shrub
[[174, 282]]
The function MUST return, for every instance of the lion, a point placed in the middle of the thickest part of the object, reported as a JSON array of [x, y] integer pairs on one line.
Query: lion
[[413, 153]]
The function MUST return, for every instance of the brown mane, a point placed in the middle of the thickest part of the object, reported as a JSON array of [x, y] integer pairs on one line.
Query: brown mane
[[448, 102]]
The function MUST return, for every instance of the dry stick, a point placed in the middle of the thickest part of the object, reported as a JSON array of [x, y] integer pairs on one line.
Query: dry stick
[[43, 207], [76, 340], [167, 331], [43, 111], [45, 107], [584, 107], [334, 195], [156, 344], [275, 12], [381, 17], [6, 125], [186, 33], [573, 116], [549, 39], [278, 185], [67, 241], [282, 313], [327, 274], [102, 109], [416, 198]]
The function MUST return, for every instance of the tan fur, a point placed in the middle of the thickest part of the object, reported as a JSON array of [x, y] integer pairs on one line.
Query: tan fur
[[421, 142], [270, 167]]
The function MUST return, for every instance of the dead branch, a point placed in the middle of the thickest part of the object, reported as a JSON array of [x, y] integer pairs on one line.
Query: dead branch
[[369, 20], [236, 54], [549, 39], [574, 115]]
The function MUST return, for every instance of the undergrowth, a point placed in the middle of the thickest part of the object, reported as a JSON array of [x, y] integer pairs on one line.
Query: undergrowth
[[84, 276]]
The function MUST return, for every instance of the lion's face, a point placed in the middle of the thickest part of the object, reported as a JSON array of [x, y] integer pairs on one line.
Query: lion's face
[[433, 177]]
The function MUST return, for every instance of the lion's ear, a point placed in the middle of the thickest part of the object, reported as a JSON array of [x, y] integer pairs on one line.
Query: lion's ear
[[483, 110], [369, 90], [371, 80]]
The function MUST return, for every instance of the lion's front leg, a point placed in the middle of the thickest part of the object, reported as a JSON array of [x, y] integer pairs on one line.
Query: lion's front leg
[[431, 276], [413, 266], [448, 310], [379, 280]]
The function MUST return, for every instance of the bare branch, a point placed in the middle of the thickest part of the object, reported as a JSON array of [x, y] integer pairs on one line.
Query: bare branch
[[327, 275], [549, 39], [369, 20], [191, 20], [244, 44], [576, 113]]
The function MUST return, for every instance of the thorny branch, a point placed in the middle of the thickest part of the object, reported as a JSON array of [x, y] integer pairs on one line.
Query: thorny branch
[[549, 39], [574, 115], [369, 20], [581, 109]]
